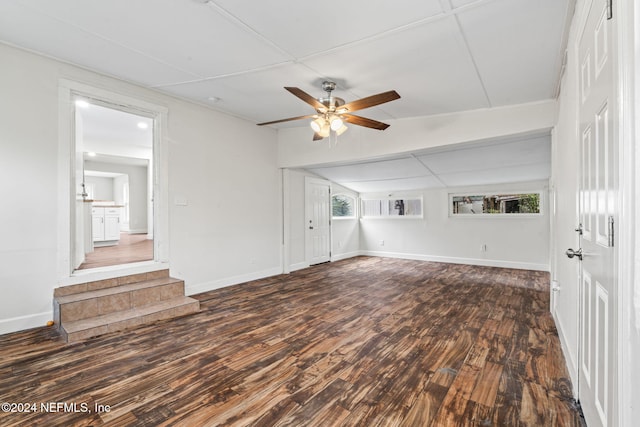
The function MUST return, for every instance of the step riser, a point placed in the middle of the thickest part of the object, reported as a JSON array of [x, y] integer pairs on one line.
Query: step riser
[[119, 301], [109, 283]]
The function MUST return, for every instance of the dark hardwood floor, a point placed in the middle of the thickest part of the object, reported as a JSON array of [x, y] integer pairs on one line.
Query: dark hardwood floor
[[359, 342], [131, 248]]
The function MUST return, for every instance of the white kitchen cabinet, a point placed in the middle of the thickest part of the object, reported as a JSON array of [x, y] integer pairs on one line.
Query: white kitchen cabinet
[[105, 223], [97, 224]]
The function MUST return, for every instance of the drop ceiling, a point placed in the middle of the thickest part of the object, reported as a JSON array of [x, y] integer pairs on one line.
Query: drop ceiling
[[235, 56], [505, 161]]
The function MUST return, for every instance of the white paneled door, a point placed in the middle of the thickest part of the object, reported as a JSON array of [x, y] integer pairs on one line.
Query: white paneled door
[[598, 215], [318, 221]]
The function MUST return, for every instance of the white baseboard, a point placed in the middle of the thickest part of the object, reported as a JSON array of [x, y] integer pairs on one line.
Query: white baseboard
[[137, 231], [230, 281], [346, 255], [298, 266], [571, 364], [456, 260], [21, 323]]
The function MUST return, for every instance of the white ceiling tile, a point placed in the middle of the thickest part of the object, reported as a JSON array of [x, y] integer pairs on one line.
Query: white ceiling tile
[[428, 65], [328, 24], [260, 96], [404, 184], [490, 156], [379, 170], [189, 35], [498, 175], [459, 3], [74, 45], [515, 44]]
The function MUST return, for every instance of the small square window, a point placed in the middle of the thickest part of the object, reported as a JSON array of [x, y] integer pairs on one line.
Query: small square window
[[343, 206]]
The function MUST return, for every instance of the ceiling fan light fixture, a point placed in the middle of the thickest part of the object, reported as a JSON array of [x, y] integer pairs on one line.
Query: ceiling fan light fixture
[[325, 130], [317, 124], [341, 130], [336, 123]]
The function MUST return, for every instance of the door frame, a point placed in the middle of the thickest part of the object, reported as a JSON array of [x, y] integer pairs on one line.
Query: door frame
[[68, 90], [627, 72]]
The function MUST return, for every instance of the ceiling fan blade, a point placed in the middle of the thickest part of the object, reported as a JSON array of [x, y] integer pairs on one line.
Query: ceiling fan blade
[[369, 101], [308, 116], [307, 98], [363, 121], [317, 137]]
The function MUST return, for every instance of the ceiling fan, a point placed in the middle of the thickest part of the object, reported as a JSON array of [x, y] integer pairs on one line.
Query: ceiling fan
[[332, 112]]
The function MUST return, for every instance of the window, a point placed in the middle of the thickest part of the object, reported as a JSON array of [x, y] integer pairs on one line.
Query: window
[[343, 206], [499, 204], [392, 208]]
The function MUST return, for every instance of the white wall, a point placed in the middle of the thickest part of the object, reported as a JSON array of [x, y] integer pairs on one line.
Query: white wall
[[28, 149], [223, 166], [517, 242], [224, 169], [345, 232], [102, 187]]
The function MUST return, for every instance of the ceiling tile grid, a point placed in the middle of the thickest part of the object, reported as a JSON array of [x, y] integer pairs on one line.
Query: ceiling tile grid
[[518, 159], [442, 56], [235, 56]]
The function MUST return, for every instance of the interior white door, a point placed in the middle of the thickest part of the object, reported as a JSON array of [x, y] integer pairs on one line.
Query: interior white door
[[318, 221], [598, 215]]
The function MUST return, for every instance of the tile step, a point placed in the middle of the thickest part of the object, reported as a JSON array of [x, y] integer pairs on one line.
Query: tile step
[[82, 296], [109, 283], [86, 328]]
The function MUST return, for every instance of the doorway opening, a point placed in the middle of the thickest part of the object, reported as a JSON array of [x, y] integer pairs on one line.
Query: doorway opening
[[114, 185]]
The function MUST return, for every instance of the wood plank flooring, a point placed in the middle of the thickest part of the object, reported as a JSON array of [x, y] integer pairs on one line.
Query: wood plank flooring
[[131, 248], [359, 342]]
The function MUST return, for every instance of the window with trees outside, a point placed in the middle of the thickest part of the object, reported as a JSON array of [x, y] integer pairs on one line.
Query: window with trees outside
[[343, 206], [495, 204]]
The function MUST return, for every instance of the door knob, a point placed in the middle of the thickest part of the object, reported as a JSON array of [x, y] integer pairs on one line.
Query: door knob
[[571, 253], [310, 227]]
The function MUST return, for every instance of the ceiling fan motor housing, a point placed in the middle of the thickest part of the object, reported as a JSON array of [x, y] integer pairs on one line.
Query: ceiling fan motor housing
[[330, 102]]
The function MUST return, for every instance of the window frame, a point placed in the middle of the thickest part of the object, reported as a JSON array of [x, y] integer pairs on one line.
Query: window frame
[[388, 199], [485, 194], [354, 205]]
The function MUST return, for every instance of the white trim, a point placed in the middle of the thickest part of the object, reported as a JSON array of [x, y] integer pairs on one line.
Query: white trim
[[627, 15], [230, 281], [354, 206], [457, 260], [389, 198], [101, 273], [541, 200], [572, 367], [286, 220], [21, 323], [138, 231], [346, 255], [298, 266], [67, 90]]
